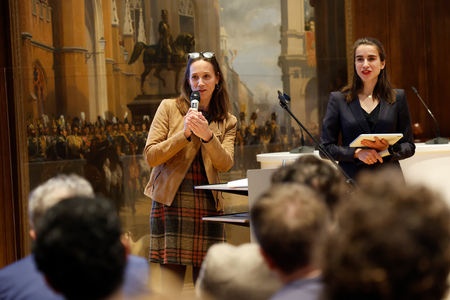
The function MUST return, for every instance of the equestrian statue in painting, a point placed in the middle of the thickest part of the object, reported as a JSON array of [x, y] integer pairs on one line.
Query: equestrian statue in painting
[[166, 54]]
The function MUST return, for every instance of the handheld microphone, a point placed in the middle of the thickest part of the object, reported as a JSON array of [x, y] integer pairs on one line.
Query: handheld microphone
[[391, 150], [195, 100], [438, 139]]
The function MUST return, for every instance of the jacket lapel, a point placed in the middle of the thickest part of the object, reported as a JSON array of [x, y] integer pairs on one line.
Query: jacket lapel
[[383, 116], [356, 109]]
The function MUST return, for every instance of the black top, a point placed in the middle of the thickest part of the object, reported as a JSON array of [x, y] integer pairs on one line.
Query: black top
[[372, 118]]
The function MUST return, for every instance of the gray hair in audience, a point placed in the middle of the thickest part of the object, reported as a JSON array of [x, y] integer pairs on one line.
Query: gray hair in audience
[[54, 190]]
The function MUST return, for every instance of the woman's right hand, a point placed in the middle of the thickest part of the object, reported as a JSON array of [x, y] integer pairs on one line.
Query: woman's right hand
[[368, 156], [186, 129]]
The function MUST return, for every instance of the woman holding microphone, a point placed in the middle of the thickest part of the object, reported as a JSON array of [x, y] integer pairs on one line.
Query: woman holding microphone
[[187, 147]]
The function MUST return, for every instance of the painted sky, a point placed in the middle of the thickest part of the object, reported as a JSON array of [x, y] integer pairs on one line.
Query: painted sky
[[253, 29]]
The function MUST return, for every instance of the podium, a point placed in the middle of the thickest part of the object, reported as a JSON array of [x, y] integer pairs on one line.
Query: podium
[[430, 165], [278, 159]]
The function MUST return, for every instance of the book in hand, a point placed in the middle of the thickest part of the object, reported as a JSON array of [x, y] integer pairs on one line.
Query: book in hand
[[392, 138]]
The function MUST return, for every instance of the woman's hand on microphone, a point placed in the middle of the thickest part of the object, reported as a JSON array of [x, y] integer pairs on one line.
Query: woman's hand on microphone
[[196, 122], [187, 121]]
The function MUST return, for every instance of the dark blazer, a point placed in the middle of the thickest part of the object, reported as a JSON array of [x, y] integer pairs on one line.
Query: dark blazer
[[348, 120], [22, 280]]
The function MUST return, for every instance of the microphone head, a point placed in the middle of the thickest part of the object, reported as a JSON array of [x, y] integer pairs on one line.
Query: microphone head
[[280, 95], [195, 100], [283, 101], [414, 89], [286, 96], [195, 95]]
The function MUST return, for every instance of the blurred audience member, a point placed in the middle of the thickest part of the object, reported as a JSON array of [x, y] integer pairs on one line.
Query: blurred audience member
[[393, 242], [78, 247], [288, 221], [22, 279], [317, 173], [239, 279], [237, 273]]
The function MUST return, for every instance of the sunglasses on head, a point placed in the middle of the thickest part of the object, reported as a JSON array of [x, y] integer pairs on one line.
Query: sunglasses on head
[[194, 55]]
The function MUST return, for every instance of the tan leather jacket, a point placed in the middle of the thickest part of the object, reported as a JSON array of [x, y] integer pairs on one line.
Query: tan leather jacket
[[170, 154]]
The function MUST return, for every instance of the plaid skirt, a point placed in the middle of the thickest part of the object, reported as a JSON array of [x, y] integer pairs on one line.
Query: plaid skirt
[[178, 234]]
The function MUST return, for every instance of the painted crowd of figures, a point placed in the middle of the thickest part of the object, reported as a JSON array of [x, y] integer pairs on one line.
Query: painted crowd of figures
[[105, 153], [109, 153], [78, 140], [253, 139]]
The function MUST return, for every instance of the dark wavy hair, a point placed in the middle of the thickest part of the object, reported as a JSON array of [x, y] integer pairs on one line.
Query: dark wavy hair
[[316, 173], [220, 106], [78, 248], [392, 243], [288, 221], [383, 88]]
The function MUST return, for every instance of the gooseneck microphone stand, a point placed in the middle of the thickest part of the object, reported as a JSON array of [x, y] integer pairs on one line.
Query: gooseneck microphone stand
[[302, 148], [438, 139], [284, 105]]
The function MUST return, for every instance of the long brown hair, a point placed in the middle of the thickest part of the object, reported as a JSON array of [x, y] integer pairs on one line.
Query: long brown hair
[[219, 105], [383, 88]]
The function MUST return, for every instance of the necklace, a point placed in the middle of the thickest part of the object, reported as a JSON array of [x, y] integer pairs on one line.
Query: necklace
[[366, 97]]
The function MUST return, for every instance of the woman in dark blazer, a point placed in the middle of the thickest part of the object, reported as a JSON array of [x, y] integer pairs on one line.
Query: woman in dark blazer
[[367, 105]]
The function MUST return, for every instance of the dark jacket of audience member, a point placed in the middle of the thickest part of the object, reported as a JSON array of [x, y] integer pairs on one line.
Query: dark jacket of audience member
[[22, 280]]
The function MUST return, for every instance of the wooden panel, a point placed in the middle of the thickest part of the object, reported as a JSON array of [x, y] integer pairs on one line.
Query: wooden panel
[[7, 225], [416, 35], [14, 237], [436, 46], [331, 53], [370, 19], [407, 62]]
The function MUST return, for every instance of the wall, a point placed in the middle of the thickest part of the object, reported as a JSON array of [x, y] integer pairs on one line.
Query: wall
[[416, 37]]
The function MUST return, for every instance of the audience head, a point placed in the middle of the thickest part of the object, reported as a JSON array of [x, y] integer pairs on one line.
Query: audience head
[[79, 248], [393, 242], [287, 221], [54, 190], [235, 272], [320, 175]]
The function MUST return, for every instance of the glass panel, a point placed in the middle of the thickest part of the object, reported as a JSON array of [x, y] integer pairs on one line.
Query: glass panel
[[90, 107], [91, 91]]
